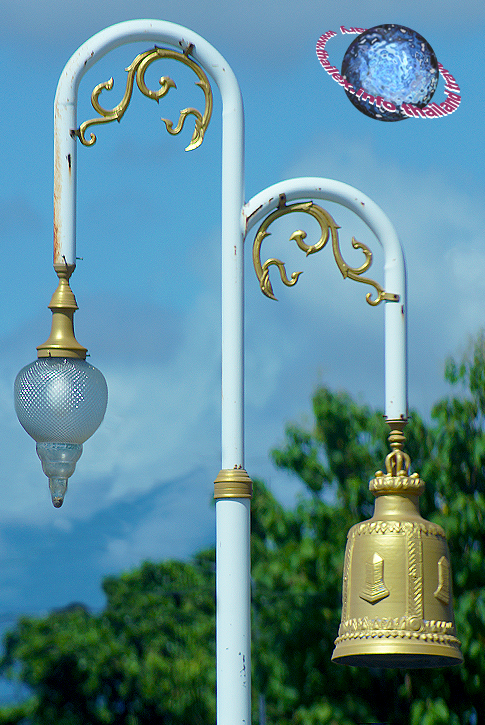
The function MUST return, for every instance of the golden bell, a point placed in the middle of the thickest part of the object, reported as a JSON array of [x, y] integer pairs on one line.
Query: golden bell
[[397, 595]]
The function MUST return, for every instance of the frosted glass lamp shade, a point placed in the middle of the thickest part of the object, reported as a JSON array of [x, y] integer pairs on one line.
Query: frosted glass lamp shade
[[60, 402]]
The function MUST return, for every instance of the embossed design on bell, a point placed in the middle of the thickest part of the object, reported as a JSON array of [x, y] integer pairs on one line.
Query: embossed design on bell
[[375, 589], [443, 590], [136, 70], [413, 626]]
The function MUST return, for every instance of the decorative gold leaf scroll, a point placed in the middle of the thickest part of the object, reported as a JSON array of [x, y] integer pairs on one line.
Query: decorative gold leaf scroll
[[328, 227], [137, 70]]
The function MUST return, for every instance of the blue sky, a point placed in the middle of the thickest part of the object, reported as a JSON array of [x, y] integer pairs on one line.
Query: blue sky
[[148, 284]]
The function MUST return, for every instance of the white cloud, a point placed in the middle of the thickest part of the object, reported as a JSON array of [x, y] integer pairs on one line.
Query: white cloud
[[180, 521], [466, 264]]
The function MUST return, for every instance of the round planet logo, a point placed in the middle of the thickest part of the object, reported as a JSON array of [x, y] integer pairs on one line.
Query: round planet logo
[[392, 62], [390, 72]]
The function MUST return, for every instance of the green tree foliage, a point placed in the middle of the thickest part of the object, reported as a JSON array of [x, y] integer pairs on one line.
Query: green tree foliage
[[298, 559], [149, 656]]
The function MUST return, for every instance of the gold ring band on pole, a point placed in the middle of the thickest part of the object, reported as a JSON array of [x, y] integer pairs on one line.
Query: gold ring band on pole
[[233, 483]]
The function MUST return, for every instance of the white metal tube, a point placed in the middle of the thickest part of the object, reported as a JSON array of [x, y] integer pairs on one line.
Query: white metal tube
[[232, 280], [233, 558], [396, 399], [233, 612], [65, 148], [232, 515]]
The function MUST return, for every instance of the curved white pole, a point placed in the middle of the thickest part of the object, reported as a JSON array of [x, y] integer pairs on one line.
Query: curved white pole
[[232, 514], [396, 399]]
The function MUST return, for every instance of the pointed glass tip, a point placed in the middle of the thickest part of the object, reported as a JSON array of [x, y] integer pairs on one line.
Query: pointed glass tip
[[58, 487], [58, 463]]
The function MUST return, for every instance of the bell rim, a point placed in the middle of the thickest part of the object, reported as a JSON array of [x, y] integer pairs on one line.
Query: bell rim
[[397, 655]]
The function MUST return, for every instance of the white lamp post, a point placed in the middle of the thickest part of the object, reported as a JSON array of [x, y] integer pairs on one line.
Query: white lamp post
[[396, 598], [63, 353]]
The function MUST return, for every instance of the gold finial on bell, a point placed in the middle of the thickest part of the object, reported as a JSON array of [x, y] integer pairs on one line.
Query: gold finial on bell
[[397, 597]]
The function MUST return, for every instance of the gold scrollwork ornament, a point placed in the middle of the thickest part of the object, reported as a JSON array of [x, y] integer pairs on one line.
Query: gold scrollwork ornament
[[328, 227], [136, 71]]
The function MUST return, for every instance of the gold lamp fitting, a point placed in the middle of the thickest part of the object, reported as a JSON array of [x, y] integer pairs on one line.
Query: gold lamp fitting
[[61, 342], [233, 483], [397, 596]]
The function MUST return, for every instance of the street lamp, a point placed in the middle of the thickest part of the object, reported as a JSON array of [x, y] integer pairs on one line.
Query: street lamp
[[60, 399], [233, 487], [397, 599]]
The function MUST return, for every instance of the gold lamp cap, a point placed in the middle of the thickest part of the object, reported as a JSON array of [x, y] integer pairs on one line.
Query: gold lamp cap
[[61, 341]]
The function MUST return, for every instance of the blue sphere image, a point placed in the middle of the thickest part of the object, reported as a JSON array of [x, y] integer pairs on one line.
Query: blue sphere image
[[389, 65]]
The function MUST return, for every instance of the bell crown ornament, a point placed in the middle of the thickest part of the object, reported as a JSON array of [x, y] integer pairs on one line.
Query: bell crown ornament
[[397, 595]]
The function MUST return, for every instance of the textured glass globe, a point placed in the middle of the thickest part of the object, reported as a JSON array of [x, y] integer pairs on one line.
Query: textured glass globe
[[394, 63], [60, 402]]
